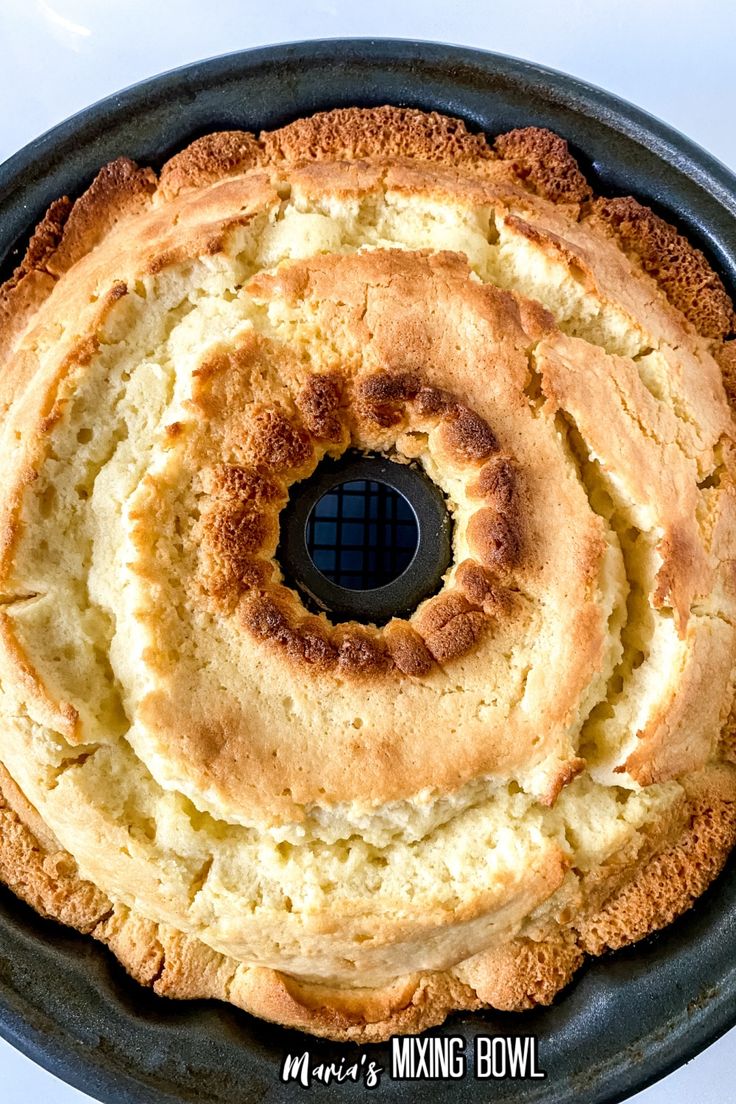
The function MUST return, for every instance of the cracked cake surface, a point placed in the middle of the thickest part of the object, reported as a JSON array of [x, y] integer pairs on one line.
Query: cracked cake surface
[[349, 828]]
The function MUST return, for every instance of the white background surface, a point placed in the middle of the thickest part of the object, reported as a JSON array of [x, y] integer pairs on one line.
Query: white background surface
[[673, 57]]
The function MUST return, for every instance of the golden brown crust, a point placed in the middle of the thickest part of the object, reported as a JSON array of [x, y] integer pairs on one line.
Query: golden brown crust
[[725, 354], [119, 191], [407, 649], [681, 270], [672, 881], [727, 740], [31, 282], [44, 243], [208, 159], [450, 625], [544, 162], [319, 404], [47, 880], [66, 234], [523, 974], [483, 588], [350, 134], [495, 538]]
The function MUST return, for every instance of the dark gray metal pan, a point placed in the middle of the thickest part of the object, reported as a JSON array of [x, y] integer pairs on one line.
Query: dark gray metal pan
[[627, 1019]]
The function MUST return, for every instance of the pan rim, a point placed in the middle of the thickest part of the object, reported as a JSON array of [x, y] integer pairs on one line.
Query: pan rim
[[20, 175]]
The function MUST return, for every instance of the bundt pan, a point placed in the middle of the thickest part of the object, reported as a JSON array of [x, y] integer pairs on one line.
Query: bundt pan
[[627, 1019]]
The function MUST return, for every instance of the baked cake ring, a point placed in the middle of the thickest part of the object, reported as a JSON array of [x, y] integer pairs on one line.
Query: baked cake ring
[[353, 828]]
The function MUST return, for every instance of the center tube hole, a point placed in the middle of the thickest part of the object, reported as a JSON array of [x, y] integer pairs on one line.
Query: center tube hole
[[365, 538], [362, 534]]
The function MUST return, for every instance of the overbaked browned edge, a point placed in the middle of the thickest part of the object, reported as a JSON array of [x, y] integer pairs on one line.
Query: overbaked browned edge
[[527, 971]]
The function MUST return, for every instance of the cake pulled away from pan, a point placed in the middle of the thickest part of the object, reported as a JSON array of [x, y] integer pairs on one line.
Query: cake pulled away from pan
[[356, 829]]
